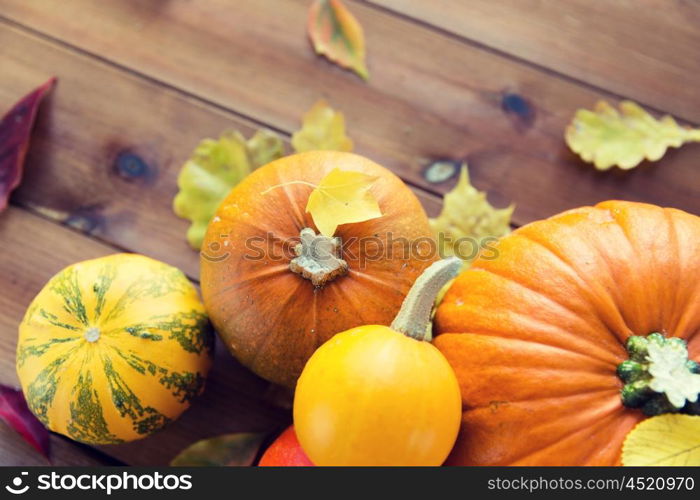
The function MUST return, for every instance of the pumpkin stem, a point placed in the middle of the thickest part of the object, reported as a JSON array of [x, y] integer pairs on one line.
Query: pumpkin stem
[[92, 334], [414, 315], [318, 258], [659, 377]]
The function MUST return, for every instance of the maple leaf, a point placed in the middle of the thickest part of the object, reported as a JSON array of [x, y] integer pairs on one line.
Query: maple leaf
[[323, 128], [342, 197], [215, 167], [467, 220]]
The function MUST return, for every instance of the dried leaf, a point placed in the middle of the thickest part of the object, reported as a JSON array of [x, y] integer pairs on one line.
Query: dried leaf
[[264, 147], [606, 137], [336, 34], [15, 130], [467, 219], [342, 197], [231, 450], [323, 128], [670, 439], [15, 413], [215, 167]]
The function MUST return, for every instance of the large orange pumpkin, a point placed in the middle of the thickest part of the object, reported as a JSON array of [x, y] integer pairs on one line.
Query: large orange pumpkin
[[538, 335], [273, 319]]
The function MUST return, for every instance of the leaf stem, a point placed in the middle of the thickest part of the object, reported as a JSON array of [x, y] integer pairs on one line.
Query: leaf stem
[[304, 183]]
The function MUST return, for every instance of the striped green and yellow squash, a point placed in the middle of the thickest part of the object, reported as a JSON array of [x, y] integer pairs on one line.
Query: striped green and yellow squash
[[112, 349]]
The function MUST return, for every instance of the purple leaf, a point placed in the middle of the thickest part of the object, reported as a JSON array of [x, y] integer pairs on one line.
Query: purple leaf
[[15, 129], [15, 412]]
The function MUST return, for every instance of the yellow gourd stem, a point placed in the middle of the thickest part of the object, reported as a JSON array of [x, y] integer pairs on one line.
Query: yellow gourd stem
[[414, 315], [92, 334], [694, 135]]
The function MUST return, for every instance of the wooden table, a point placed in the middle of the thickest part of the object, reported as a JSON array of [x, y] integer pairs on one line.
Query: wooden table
[[493, 82]]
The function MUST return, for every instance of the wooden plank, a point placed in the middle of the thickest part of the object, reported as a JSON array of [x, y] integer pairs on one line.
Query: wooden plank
[[108, 146], [646, 50], [16, 292], [15, 451], [33, 249], [430, 96]]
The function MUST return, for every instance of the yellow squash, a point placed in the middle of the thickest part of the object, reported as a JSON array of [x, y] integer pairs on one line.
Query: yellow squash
[[112, 349], [375, 395]]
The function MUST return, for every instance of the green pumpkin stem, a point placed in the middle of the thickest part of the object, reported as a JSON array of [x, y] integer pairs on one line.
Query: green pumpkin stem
[[659, 377], [414, 315]]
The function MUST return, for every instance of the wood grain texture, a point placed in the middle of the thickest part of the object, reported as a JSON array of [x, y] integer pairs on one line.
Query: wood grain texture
[[108, 146], [429, 96], [15, 451], [142, 81], [645, 50], [33, 249]]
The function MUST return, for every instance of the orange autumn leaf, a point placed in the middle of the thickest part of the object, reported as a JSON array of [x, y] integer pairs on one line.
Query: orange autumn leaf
[[336, 34]]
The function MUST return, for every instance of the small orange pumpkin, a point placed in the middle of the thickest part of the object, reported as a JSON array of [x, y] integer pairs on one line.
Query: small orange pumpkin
[[581, 325], [272, 318]]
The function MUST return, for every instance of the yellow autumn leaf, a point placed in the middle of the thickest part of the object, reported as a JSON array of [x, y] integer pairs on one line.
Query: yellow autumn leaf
[[336, 34], [671, 440], [342, 197], [214, 168], [607, 137], [467, 220], [323, 128]]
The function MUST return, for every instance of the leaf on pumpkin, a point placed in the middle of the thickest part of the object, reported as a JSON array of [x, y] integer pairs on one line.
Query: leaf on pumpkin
[[323, 128], [671, 439], [215, 167], [607, 137], [15, 413], [15, 130], [336, 34], [342, 197], [467, 219], [230, 450]]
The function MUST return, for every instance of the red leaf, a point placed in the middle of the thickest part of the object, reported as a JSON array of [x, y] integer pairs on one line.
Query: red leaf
[[15, 412], [15, 129]]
